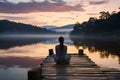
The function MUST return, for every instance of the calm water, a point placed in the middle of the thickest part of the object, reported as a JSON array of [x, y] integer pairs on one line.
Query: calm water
[[18, 55]]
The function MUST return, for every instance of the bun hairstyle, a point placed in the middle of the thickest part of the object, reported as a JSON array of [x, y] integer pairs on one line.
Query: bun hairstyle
[[61, 40]]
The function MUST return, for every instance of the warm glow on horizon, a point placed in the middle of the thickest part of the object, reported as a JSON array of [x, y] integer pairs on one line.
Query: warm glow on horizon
[[54, 19], [35, 12]]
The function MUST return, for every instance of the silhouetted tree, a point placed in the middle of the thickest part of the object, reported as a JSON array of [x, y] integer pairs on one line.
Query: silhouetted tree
[[104, 15], [77, 26], [108, 24]]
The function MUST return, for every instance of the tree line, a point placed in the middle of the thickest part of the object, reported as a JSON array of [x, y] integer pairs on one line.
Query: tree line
[[10, 27], [107, 24]]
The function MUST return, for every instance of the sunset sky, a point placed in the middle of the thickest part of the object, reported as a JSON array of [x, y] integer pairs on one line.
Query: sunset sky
[[54, 12]]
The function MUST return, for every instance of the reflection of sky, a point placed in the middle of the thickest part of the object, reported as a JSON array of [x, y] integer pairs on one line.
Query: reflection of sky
[[112, 61], [22, 62], [16, 61], [35, 50], [31, 55], [13, 73]]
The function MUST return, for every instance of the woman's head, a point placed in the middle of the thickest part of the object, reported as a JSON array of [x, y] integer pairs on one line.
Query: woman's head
[[61, 40]]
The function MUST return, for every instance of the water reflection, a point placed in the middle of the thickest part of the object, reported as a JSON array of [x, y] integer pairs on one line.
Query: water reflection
[[13, 73], [9, 42], [22, 62], [27, 52], [18, 55], [105, 47]]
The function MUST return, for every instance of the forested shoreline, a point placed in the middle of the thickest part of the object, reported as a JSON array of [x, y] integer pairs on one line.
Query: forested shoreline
[[10, 27], [108, 24]]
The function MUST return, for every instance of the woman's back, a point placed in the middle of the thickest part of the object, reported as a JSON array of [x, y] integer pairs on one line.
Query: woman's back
[[61, 51]]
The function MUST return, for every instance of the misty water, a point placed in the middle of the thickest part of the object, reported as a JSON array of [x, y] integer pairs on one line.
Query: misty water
[[18, 54]]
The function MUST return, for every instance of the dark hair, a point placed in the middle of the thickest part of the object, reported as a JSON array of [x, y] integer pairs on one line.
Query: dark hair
[[61, 39]]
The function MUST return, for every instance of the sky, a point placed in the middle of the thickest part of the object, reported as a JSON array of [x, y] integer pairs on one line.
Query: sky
[[54, 12]]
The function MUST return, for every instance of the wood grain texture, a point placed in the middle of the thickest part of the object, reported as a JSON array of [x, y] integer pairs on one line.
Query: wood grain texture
[[80, 68]]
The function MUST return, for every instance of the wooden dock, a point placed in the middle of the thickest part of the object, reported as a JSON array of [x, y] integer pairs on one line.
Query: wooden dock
[[81, 67]]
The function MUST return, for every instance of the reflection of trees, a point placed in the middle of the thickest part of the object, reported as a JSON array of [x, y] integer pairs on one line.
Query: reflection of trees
[[6, 43], [119, 59], [104, 54], [77, 45], [106, 47]]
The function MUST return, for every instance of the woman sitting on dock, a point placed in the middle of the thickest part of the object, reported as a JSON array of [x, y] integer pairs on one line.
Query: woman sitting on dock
[[61, 56]]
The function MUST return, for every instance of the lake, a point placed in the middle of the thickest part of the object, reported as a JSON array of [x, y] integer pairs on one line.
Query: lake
[[18, 54]]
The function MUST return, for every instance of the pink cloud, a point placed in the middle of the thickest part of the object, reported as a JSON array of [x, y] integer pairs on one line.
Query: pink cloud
[[92, 13], [14, 18], [7, 7], [98, 2]]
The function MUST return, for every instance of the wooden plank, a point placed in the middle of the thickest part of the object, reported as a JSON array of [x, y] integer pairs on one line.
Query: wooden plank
[[71, 64], [80, 75], [74, 78], [80, 68]]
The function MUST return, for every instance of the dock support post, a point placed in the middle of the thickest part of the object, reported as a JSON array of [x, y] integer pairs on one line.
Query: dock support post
[[35, 74], [80, 52], [51, 52]]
